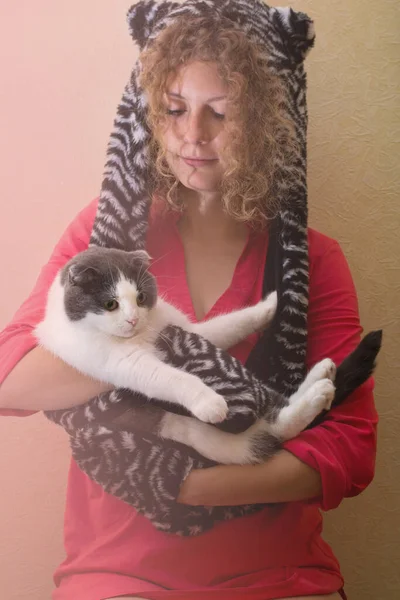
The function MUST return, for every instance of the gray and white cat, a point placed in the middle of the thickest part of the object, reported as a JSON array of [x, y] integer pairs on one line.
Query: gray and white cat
[[103, 317]]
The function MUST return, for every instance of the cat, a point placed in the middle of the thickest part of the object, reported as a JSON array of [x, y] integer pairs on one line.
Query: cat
[[104, 317]]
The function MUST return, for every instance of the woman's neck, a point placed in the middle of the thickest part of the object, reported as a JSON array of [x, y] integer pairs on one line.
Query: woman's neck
[[205, 219]]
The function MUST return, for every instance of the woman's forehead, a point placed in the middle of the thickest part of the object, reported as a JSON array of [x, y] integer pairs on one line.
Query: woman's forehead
[[198, 79]]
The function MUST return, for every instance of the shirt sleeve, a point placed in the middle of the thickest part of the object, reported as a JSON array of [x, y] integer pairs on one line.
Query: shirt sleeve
[[343, 447], [16, 340]]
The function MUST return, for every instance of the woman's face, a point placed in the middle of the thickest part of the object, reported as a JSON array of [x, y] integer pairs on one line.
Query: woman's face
[[195, 102]]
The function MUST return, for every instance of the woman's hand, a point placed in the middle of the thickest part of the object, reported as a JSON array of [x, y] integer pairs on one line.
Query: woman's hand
[[282, 478]]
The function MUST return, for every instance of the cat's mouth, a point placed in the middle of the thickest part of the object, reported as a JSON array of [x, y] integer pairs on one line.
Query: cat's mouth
[[130, 329], [127, 334]]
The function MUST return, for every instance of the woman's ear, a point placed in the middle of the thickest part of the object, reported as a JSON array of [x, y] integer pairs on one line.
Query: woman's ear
[[144, 16], [297, 31]]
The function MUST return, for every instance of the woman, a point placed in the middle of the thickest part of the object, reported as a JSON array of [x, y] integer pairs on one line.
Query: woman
[[217, 132]]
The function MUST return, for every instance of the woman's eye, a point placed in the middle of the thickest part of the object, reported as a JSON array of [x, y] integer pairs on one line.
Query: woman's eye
[[111, 305], [175, 112], [141, 298]]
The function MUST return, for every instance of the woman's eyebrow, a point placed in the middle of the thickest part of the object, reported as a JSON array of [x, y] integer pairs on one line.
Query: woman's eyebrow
[[214, 99]]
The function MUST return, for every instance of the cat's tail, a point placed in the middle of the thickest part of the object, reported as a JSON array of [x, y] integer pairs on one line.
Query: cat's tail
[[357, 367]]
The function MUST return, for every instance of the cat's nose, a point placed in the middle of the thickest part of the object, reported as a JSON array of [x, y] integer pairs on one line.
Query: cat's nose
[[132, 321]]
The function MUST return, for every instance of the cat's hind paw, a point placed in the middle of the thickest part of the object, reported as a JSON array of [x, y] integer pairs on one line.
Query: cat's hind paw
[[323, 393], [326, 369]]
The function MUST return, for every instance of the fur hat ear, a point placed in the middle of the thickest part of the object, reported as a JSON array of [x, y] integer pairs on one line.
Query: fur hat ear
[[297, 30], [143, 16]]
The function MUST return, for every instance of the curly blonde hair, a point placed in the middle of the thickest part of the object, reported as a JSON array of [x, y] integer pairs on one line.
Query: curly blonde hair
[[261, 138]]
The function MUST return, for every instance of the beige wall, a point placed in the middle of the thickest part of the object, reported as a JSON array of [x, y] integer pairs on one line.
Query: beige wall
[[63, 66]]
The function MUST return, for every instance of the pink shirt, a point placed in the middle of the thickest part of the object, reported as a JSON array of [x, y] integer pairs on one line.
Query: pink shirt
[[111, 550]]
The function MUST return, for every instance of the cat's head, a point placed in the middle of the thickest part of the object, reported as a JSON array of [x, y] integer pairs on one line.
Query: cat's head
[[111, 290]]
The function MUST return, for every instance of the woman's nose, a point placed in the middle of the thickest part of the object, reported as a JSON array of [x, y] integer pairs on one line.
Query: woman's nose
[[196, 130]]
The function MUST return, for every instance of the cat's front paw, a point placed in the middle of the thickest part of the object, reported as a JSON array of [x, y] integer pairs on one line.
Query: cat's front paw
[[266, 310], [210, 407]]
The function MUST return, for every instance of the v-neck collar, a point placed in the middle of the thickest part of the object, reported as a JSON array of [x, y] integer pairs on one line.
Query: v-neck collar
[[169, 268]]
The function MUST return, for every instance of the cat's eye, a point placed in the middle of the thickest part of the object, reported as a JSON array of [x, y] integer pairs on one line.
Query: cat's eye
[[141, 298], [111, 305]]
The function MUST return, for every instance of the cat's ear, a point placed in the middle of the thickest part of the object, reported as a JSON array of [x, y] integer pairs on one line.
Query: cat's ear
[[141, 255], [80, 275]]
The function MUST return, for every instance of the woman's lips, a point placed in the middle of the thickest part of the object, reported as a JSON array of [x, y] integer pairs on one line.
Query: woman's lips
[[199, 162]]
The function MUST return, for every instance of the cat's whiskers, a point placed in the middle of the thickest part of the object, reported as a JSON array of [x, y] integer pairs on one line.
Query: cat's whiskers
[[143, 275], [114, 285], [152, 264], [139, 278], [161, 335]]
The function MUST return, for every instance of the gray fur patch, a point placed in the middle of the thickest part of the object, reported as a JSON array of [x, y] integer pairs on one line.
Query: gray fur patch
[[91, 277]]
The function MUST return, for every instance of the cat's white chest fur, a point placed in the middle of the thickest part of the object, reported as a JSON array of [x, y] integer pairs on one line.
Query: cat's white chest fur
[[118, 345]]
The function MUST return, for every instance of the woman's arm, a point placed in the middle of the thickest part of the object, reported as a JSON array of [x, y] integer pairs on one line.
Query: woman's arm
[[42, 381], [31, 378], [334, 460], [283, 478]]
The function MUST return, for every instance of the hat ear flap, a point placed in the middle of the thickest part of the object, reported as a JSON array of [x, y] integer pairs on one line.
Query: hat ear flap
[[297, 30], [144, 16]]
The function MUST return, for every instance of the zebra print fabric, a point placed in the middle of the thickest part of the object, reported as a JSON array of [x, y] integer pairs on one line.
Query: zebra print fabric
[[122, 216], [124, 463]]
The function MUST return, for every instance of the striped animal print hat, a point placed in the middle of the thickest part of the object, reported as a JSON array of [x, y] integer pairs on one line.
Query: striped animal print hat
[[121, 222]]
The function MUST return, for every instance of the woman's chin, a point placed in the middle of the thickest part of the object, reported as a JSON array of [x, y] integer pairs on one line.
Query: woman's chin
[[199, 181], [200, 184]]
